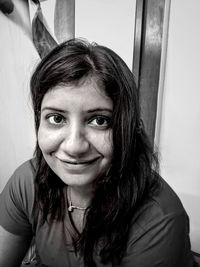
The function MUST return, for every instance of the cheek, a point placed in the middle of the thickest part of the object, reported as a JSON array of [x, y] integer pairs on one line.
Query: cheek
[[104, 144], [47, 140]]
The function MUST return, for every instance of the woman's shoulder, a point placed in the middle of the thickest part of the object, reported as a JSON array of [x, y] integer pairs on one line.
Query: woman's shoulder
[[21, 183], [166, 201], [161, 208], [17, 199], [24, 175], [160, 231], [27, 167]]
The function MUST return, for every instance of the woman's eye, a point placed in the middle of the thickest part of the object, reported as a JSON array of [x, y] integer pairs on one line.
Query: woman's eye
[[55, 119], [100, 122]]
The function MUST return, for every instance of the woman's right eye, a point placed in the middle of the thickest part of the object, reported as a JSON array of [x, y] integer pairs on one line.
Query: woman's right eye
[[55, 119]]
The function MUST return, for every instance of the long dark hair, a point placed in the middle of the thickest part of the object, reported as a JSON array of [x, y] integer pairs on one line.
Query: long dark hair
[[133, 175]]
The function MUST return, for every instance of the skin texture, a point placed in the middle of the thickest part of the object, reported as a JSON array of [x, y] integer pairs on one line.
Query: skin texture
[[75, 136]]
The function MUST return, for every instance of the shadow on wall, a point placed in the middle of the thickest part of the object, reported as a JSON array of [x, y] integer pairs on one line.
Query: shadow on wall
[[191, 204]]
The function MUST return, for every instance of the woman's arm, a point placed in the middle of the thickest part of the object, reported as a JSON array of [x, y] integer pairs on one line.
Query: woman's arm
[[12, 248]]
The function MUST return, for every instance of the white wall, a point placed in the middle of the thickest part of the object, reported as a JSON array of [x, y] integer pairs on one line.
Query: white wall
[[180, 121], [107, 22], [17, 57]]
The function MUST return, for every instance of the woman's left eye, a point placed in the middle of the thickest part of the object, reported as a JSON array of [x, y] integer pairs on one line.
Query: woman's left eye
[[100, 121]]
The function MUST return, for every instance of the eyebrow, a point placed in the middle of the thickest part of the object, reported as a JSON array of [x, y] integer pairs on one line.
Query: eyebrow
[[88, 111], [99, 110], [54, 109]]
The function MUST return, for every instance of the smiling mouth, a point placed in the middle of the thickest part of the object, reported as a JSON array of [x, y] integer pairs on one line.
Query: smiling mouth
[[85, 162]]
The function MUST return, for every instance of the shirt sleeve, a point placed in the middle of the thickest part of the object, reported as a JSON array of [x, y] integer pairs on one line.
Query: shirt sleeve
[[16, 201], [163, 242]]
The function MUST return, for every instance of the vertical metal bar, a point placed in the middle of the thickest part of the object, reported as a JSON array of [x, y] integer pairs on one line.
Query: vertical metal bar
[[64, 20], [147, 62], [138, 39], [162, 70]]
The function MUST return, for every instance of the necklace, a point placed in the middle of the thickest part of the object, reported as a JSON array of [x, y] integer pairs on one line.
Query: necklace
[[71, 206]]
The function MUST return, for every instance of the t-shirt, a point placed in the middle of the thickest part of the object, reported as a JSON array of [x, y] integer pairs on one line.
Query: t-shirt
[[159, 235]]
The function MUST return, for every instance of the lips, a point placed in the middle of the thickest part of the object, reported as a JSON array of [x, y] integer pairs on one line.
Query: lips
[[78, 166], [77, 162]]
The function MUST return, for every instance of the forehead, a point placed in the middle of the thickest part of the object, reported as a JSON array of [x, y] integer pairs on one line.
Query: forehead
[[86, 95]]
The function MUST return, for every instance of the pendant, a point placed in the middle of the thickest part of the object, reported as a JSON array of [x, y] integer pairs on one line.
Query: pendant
[[70, 208]]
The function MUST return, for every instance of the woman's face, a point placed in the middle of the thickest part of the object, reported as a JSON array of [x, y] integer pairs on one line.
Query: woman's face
[[74, 135]]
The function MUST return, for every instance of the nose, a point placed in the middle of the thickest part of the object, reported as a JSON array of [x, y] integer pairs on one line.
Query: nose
[[75, 142]]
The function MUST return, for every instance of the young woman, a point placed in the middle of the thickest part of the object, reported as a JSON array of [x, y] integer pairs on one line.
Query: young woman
[[92, 195]]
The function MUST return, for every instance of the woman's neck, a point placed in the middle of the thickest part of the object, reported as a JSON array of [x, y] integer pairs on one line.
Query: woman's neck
[[78, 201], [79, 196]]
